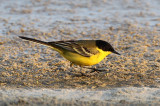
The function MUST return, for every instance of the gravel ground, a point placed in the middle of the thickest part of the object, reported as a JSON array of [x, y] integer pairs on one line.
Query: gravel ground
[[131, 26]]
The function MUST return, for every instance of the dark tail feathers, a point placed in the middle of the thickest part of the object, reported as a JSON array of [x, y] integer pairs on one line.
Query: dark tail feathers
[[34, 40]]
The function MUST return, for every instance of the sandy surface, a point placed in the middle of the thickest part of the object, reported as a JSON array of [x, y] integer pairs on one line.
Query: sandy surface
[[131, 26], [120, 96]]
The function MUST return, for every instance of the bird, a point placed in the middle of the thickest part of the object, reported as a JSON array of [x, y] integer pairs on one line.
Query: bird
[[80, 52]]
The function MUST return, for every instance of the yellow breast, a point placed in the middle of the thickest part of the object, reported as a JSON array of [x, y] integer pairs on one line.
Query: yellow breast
[[85, 61]]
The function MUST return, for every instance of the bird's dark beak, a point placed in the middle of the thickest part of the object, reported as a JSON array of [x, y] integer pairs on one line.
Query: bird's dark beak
[[115, 52]]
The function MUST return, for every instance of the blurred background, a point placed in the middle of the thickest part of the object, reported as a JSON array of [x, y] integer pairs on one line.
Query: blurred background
[[131, 26]]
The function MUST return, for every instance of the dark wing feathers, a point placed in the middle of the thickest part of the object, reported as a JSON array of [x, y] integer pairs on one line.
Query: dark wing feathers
[[85, 48]]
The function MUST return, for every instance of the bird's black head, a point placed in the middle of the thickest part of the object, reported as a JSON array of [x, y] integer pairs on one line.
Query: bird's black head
[[105, 46]]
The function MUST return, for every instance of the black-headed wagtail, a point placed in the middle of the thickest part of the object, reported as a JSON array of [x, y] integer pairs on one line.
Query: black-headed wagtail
[[80, 52]]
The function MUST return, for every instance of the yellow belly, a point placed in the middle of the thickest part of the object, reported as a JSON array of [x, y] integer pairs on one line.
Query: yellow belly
[[85, 61]]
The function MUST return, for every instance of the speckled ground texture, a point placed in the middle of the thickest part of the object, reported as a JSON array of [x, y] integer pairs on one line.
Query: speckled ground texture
[[131, 26]]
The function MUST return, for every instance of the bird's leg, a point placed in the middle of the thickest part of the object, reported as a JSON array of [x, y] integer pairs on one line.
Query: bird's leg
[[90, 73], [82, 73], [81, 69], [71, 64], [94, 69]]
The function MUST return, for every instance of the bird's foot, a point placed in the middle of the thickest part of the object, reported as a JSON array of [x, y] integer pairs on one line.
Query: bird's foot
[[95, 69]]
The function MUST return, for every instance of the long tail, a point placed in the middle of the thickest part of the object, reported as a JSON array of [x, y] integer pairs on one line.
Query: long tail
[[51, 44], [34, 40]]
